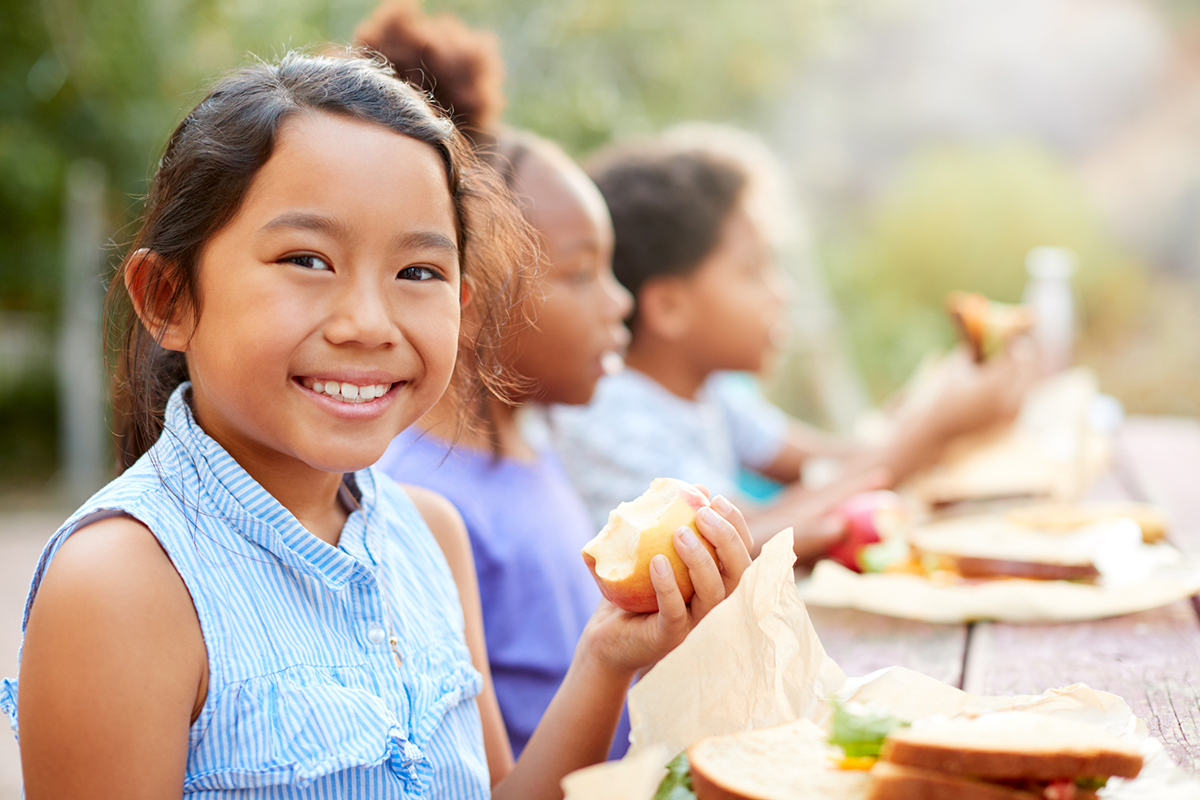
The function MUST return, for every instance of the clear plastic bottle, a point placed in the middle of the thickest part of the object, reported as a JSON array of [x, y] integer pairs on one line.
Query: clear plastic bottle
[[1050, 295]]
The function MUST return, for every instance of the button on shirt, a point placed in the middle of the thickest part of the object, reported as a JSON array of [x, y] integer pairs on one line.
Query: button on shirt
[[307, 695]]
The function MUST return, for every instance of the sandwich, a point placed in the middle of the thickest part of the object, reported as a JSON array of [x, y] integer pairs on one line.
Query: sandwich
[[986, 325], [990, 547], [1009, 755], [1065, 517], [794, 761], [870, 754]]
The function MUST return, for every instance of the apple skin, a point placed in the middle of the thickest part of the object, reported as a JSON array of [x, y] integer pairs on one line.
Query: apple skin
[[630, 588], [860, 516]]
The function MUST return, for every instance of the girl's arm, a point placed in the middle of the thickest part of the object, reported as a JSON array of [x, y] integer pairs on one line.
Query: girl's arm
[[447, 527], [113, 670], [578, 727]]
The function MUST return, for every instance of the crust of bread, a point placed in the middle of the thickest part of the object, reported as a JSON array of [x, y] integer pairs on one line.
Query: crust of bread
[[785, 762], [977, 316], [1013, 746], [967, 311], [1069, 516], [896, 782], [971, 567]]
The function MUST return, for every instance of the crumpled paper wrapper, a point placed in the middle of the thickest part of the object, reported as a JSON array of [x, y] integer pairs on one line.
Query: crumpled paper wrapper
[[756, 661], [1050, 451], [1134, 577]]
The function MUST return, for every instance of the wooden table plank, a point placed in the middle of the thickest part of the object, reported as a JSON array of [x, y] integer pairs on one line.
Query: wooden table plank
[[861, 642], [1152, 659], [1160, 457]]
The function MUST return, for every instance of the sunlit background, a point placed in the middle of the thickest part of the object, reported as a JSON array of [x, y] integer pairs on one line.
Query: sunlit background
[[929, 145]]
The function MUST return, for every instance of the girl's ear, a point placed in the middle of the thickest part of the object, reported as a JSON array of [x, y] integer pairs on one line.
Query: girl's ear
[[464, 293], [148, 281], [664, 307]]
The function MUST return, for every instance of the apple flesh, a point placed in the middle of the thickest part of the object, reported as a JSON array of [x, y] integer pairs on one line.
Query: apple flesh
[[619, 556], [865, 516]]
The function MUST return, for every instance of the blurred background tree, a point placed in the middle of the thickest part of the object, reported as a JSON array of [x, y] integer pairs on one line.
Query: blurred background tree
[[934, 142]]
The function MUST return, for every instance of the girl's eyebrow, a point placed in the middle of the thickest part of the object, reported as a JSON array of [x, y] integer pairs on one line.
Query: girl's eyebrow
[[308, 222], [425, 240], [428, 240]]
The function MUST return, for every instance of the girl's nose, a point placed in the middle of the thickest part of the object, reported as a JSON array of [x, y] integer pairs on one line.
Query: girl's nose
[[360, 315], [620, 300]]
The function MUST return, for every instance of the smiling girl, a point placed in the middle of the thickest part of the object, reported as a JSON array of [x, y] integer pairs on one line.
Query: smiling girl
[[249, 610], [525, 521]]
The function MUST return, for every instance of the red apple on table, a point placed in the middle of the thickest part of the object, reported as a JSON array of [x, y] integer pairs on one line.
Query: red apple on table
[[863, 515], [619, 556]]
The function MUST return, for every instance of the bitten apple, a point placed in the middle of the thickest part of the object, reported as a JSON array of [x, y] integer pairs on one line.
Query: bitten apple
[[866, 516], [619, 556]]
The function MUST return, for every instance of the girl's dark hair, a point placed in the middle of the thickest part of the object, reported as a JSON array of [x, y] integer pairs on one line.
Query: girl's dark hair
[[460, 67], [668, 208], [206, 170]]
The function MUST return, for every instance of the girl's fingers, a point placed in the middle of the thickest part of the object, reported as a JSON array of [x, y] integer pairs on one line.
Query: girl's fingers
[[672, 611], [706, 577], [723, 534], [735, 517]]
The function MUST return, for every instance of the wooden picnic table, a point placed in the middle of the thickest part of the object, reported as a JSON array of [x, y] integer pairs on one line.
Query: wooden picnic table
[[1151, 659]]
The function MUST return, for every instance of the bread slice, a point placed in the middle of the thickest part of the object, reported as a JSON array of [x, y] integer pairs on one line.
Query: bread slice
[[970, 567], [1070, 516], [793, 761], [1013, 745], [993, 547], [894, 782], [985, 325]]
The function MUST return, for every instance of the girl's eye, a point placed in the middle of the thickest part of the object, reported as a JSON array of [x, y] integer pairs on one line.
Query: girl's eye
[[418, 274], [310, 262], [578, 277]]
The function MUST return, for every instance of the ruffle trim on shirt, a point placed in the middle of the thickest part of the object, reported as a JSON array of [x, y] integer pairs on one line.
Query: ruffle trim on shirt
[[8, 701], [463, 683], [304, 724]]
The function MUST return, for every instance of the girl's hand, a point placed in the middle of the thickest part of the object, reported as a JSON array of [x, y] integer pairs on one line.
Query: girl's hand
[[625, 642]]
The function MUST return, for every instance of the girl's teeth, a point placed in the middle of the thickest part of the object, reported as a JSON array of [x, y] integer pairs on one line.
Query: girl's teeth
[[349, 392]]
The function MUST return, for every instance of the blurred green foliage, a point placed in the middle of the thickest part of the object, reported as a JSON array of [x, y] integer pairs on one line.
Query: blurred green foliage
[[584, 72], [109, 80], [964, 219]]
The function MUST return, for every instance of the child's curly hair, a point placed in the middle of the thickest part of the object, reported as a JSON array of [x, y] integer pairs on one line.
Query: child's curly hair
[[458, 66]]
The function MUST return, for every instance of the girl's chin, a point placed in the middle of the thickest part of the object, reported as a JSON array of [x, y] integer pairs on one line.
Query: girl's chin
[[343, 460]]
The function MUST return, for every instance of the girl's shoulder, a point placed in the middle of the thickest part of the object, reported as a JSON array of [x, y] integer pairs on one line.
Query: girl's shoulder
[[419, 511]]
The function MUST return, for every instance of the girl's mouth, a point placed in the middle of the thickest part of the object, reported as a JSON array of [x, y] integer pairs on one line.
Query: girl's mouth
[[347, 392]]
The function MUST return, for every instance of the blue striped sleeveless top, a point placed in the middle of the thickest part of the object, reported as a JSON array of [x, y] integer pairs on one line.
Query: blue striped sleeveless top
[[305, 695]]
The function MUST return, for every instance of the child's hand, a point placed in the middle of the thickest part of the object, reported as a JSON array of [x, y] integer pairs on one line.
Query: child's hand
[[976, 396], [625, 642]]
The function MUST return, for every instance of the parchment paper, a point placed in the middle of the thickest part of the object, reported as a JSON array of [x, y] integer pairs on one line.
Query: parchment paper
[[1134, 577], [1050, 451], [755, 660]]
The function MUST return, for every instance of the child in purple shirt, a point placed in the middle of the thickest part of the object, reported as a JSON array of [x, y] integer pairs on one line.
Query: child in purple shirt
[[525, 521], [527, 526]]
